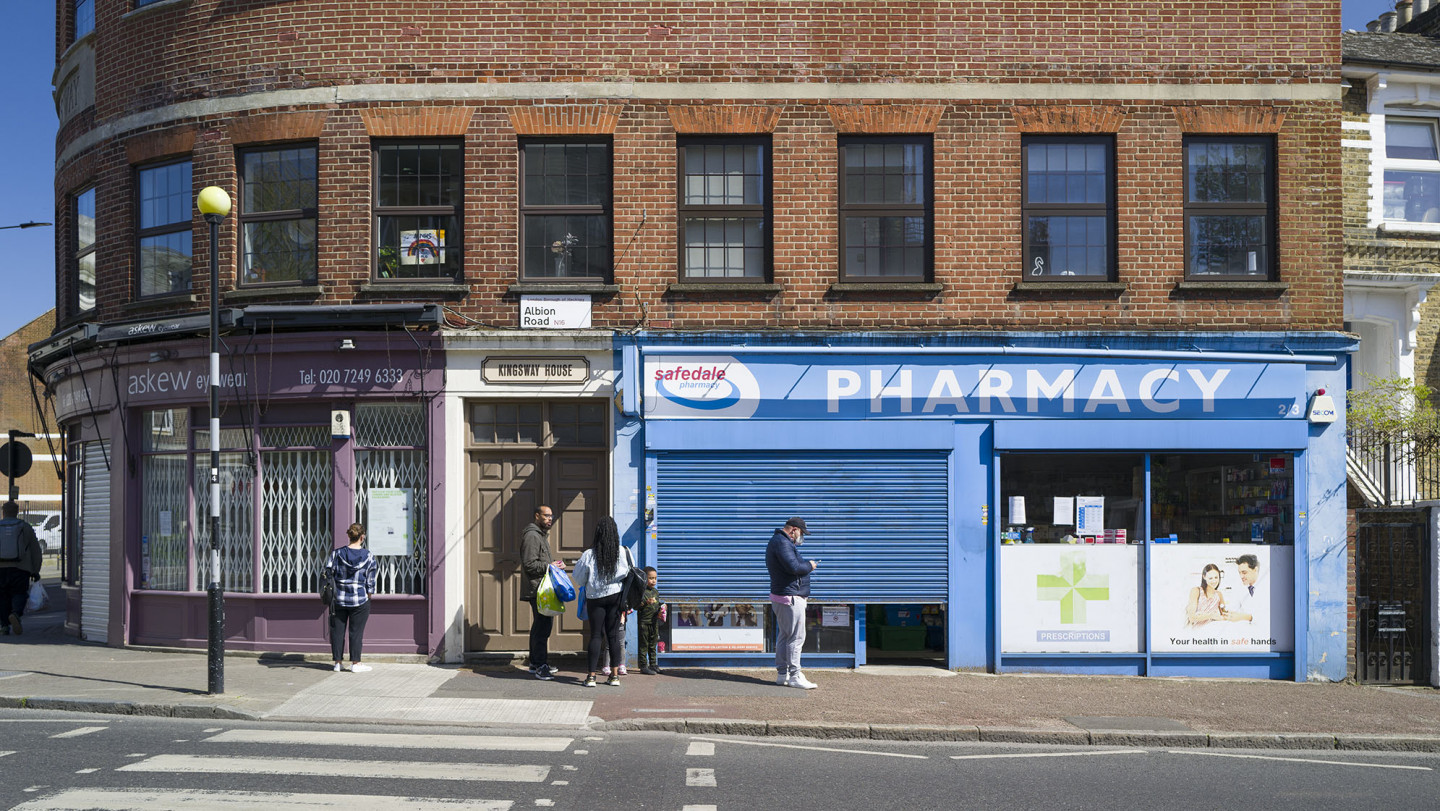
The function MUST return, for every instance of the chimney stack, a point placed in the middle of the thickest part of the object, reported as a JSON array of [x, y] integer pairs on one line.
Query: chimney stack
[[1373, 26], [1420, 7], [1387, 22], [1403, 8]]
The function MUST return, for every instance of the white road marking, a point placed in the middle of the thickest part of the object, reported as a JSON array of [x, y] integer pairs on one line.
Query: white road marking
[[544, 803], [181, 740], [594, 739], [4, 753], [189, 800], [1050, 754], [86, 771], [38, 721], [213, 729], [701, 748], [699, 808], [510, 743], [559, 782], [570, 768], [77, 732], [700, 777], [391, 769], [1305, 760], [816, 748], [136, 754], [581, 752]]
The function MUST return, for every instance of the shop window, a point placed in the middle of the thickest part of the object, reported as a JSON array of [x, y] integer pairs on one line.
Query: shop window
[[82, 262], [295, 468], [392, 478], [417, 210], [165, 500], [573, 423], [1072, 498], [750, 628], [565, 210], [579, 423], [278, 214], [1411, 191], [296, 507], [1068, 205], [724, 209], [1229, 207], [1223, 498], [885, 208], [164, 196]]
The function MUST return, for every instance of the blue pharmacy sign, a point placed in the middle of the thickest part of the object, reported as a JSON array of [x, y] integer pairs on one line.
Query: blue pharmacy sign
[[813, 387]]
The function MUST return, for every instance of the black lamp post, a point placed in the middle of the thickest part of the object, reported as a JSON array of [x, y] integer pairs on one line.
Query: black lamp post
[[214, 203]]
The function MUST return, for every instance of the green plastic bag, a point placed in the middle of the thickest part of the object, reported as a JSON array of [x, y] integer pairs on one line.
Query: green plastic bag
[[547, 600]]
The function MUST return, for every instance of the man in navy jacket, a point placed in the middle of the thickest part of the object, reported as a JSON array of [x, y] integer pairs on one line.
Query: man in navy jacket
[[789, 593]]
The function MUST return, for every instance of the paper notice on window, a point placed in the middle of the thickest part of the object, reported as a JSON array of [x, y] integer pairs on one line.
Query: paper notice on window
[[1064, 510], [1090, 514], [837, 616], [1017, 509], [388, 529]]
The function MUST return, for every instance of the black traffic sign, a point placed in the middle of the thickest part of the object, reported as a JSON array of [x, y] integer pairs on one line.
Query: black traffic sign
[[15, 460]]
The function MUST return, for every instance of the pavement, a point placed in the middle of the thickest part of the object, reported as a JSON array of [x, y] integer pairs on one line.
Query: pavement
[[49, 669]]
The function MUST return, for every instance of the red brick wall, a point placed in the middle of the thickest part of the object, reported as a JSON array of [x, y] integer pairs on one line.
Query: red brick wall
[[155, 58]]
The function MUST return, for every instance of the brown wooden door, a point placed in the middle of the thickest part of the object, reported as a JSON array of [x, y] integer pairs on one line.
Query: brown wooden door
[[506, 485]]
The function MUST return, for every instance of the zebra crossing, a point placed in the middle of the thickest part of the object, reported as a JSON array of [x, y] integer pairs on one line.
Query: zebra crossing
[[239, 769]]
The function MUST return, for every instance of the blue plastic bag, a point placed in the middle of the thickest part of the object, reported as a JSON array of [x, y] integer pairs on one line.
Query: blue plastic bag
[[580, 611], [564, 589]]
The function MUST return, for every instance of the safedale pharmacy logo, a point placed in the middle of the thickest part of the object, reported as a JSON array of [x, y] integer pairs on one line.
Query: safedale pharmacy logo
[[708, 387], [1072, 587]]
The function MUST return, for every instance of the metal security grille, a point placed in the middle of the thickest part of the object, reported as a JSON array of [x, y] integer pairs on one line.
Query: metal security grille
[[880, 522], [165, 522], [95, 543], [237, 512], [1392, 634], [395, 424], [297, 508]]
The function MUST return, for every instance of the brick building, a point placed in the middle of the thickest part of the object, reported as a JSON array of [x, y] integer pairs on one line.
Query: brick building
[[40, 488], [618, 260], [1392, 262]]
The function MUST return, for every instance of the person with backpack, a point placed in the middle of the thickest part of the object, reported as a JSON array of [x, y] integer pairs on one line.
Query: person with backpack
[[19, 565], [355, 569], [602, 570]]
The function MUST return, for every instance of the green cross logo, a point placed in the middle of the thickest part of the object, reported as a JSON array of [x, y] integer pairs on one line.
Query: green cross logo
[[1072, 587]]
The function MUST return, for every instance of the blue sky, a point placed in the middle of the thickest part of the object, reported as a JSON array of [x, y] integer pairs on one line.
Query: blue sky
[[27, 144]]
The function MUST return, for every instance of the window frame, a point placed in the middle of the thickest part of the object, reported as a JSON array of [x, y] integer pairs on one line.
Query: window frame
[[246, 217], [1417, 165], [1108, 209], [846, 209], [1268, 209], [76, 34], [764, 211], [142, 233], [79, 253], [525, 211], [378, 212]]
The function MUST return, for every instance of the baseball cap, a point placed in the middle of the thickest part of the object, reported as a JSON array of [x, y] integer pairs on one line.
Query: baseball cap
[[797, 521]]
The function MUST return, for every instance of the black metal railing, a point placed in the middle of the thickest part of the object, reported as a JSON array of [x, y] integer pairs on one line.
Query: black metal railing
[[1390, 470]]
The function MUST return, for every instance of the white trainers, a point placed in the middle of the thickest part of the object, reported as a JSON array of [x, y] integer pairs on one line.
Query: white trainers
[[782, 679], [337, 667], [799, 680], [363, 668]]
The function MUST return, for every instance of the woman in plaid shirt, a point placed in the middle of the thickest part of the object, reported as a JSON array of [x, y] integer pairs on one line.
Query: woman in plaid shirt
[[354, 569]]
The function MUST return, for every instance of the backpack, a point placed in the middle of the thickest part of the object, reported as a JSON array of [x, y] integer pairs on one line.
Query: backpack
[[10, 539], [632, 591], [327, 586]]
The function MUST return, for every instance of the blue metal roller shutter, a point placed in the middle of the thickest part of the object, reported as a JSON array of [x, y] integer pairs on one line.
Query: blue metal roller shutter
[[879, 522]]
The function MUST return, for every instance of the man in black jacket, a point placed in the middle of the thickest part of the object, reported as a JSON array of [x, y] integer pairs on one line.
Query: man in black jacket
[[535, 559], [19, 564], [789, 593]]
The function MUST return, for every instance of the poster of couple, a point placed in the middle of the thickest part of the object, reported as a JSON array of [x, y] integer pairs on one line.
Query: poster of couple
[[1231, 598]]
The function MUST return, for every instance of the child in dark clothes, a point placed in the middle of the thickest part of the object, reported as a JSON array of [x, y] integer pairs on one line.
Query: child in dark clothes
[[652, 613]]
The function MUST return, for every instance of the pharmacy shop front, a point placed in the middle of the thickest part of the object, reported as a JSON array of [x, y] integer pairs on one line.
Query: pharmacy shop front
[[1136, 508]]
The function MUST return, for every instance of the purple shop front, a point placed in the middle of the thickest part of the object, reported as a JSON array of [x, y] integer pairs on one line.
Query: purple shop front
[[317, 430]]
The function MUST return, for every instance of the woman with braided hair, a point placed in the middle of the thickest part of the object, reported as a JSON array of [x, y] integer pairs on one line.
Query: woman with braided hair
[[601, 570]]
